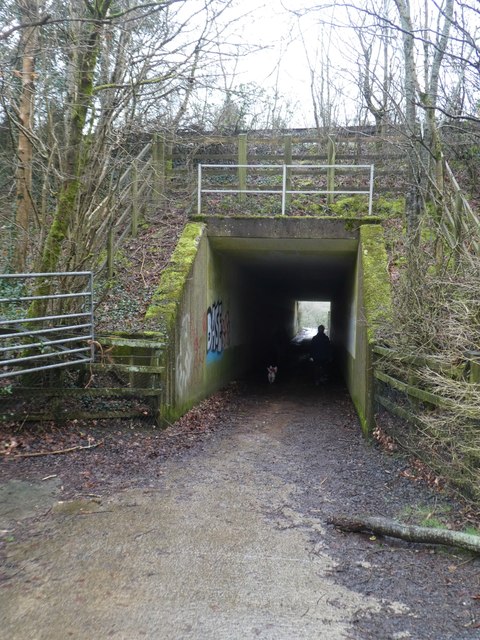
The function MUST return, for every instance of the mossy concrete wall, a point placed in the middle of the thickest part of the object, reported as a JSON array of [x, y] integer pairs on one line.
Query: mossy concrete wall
[[200, 306], [369, 304], [171, 314]]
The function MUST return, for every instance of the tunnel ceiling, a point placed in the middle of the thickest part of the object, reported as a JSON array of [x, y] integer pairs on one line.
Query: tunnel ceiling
[[301, 268]]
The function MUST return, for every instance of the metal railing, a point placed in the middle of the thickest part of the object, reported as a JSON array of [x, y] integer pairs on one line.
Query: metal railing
[[287, 172], [57, 337]]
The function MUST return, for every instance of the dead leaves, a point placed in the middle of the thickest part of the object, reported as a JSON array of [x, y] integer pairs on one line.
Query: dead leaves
[[32, 443], [416, 470], [130, 451], [385, 441]]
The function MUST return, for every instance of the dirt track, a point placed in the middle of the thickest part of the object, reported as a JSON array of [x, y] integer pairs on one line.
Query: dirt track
[[229, 540]]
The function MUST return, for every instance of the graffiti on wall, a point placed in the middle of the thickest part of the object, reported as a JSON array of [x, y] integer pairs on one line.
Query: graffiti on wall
[[218, 331], [184, 362]]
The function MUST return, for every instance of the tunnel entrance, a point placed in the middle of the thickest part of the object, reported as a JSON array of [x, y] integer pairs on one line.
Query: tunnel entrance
[[243, 279], [282, 288]]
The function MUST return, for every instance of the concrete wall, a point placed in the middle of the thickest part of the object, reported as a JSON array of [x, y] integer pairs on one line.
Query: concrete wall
[[202, 307], [229, 318], [175, 311], [366, 306]]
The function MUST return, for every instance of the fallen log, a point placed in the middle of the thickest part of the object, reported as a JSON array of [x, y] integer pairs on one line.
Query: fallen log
[[410, 533]]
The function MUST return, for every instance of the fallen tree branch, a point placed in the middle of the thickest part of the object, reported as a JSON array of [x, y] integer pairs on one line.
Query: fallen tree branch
[[53, 453], [409, 532]]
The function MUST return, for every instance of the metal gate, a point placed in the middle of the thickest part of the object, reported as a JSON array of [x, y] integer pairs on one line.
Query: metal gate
[[61, 335]]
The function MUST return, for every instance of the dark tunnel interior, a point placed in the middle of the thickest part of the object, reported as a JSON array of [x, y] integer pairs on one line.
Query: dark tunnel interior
[[277, 273]]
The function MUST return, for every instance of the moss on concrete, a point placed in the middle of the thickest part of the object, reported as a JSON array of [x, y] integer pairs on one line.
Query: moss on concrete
[[351, 206], [167, 296], [345, 218], [376, 283]]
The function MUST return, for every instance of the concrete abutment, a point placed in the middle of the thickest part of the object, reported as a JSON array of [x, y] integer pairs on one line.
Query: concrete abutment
[[232, 282]]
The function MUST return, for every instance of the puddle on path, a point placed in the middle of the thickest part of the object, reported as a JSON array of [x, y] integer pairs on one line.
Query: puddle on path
[[20, 499]]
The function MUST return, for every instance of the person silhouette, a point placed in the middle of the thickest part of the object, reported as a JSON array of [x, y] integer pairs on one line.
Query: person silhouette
[[321, 354]]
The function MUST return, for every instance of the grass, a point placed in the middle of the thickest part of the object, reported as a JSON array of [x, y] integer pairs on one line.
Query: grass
[[425, 516]]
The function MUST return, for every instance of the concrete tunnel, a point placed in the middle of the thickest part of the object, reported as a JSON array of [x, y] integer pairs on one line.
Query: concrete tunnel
[[276, 273], [243, 277]]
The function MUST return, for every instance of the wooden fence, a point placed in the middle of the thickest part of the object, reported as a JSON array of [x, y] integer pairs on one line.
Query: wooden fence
[[169, 166], [441, 431], [459, 223], [469, 370], [388, 154]]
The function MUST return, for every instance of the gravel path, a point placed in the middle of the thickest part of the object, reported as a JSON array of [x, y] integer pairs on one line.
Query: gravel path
[[229, 541]]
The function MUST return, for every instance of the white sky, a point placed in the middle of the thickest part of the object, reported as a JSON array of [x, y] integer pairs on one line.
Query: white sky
[[288, 40], [284, 59]]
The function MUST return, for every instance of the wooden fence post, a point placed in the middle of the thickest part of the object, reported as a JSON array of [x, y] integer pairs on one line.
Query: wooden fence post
[[242, 160], [331, 152], [439, 174], [169, 159], [473, 367], [288, 160], [110, 250], [475, 372], [135, 203], [158, 159], [458, 213]]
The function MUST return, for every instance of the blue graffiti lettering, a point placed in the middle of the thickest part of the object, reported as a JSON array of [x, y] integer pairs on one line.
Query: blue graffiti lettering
[[215, 337]]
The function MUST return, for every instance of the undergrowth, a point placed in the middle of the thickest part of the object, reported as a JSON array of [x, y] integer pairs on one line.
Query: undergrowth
[[435, 334]]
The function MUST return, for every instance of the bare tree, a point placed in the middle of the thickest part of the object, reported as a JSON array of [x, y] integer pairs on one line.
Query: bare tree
[[325, 85], [105, 71], [375, 70]]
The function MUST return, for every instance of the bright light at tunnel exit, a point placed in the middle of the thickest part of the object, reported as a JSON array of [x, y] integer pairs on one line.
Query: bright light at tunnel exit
[[310, 314]]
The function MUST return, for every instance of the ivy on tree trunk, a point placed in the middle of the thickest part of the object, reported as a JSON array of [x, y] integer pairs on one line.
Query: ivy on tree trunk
[[77, 148]]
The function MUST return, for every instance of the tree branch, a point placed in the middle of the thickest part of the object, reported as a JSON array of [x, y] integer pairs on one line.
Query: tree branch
[[56, 452], [49, 20], [407, 532], [27, 25]]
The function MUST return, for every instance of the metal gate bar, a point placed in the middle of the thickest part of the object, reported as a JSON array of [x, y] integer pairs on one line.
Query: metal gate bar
[[25, 340]]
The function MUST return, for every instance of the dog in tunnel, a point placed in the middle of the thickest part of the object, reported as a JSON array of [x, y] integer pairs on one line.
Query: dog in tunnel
[[272, 373]]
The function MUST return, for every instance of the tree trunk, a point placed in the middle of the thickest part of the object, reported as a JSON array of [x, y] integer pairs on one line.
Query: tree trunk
[[28, 47], [82, 99], [77, 151], [413, 196], [430, 97]]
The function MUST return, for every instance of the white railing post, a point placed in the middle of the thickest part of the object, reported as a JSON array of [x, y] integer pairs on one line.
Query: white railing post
[[284, 189], [199, 190], [370, 195]]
